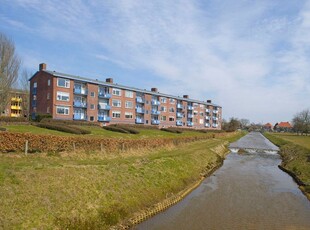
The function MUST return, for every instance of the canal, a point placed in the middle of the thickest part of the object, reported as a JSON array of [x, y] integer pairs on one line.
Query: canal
[[248, 192]]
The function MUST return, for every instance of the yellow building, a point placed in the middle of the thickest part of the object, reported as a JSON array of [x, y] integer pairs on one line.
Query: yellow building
[[17, 106]]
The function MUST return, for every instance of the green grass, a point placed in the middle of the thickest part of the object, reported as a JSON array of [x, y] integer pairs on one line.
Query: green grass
[[94, 191], [295, 152]]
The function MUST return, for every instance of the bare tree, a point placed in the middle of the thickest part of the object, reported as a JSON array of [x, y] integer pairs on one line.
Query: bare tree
[[24, 85], [244, 123], [301, 122], [9, 67]]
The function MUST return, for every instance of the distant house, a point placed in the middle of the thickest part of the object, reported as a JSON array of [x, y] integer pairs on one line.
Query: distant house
[[268, 127], [283, 127]]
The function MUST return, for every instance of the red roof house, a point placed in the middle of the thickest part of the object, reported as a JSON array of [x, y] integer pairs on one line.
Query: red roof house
[[283, 126]]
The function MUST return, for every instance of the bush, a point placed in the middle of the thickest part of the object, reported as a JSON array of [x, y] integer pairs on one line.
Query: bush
[[126, 127], [63, 128], [172, 130], [2, 129], [40, 117], [115, 129], [13, 119], [69, 122]]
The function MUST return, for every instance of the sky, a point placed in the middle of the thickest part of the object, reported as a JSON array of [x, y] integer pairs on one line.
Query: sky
[[252, 57]]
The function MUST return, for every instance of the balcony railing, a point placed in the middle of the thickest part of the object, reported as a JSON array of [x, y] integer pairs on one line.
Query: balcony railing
[[189, 123], [104, 107], [140, 110], [104, 118], [140, 100], [207, 125], [155, 122], [179, 123], [215, 111], [155, 102], [190, 115], [17, 107], [81, 91], [139, 121], [207, 117], [179, 106], [80, 104], [189, 107], [15, 115], [103, 94], [208, 110], [215, 118], [215, 125], [79, 116], [155, 112], [179, 115]]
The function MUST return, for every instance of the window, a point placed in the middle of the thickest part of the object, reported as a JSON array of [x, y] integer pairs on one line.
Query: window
[[171, 118], [35, 85], [92, 106], [91, 118], [200, 121], [163, 118], [48, 82], [171, 110], [163, 100], [48, 96], [202, 106], [201, 114], [116, 103], [128, 115], [171, 100], [62, 110], [92, 94], [117, 92], [48, 109], [129, 94], [163, 109], [63, 83], [128, 104], [195, 112], [62, 96], [116, 114]]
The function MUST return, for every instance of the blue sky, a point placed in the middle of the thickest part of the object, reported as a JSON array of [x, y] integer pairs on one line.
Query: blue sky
[[251, 57]]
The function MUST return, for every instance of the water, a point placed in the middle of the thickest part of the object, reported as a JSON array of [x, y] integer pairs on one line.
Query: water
[[247, 192]]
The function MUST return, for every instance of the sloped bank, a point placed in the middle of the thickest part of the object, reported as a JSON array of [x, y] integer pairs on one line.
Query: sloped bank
[[295, 162]]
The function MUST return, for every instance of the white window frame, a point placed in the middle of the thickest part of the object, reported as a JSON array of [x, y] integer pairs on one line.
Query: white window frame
[[67, 83], [163, 118], [171, 100], [172, 118], [92, 94], [60, 95], [48, 82], [163, 100], [35, 84], [127, 104], [116, 92], [116, 114], [163, 109], [171, 108], [119, 103], [201, 121], [65, 108], [92, 106], [129, 94], [128, 115]]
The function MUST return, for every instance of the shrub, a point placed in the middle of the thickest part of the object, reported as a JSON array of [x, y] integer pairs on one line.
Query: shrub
[[115, 129], [40, 117], [63, 128], [13, 119], [172, 130], [127, 128], [2, 129], [69, 122]]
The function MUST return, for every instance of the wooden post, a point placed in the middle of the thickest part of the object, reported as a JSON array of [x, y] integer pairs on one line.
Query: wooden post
[[101, 147], [73, 146], [123, 146], [26, 147]]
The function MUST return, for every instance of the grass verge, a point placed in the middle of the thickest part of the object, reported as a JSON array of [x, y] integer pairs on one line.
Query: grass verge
[[295, 157], [96, 191]]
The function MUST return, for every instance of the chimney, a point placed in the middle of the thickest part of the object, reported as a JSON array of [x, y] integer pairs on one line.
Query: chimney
[[154, 90], [185, 96], [42, 66], [109, 80], [209, 101]]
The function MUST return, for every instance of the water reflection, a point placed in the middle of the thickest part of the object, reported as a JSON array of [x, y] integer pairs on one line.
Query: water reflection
[[247, 192]]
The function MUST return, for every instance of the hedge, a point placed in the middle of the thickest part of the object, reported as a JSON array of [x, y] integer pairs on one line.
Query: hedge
[[63, 128], [13, 119], [172, 130]]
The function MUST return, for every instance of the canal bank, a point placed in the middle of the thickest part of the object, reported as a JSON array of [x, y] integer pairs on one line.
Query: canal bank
[[248, 192]]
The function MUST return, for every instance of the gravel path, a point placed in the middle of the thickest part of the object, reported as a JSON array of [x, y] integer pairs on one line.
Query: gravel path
[[254, 140]]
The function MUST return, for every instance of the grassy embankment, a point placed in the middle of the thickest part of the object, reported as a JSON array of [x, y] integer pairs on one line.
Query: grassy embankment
[[95, 191], [295, 152]]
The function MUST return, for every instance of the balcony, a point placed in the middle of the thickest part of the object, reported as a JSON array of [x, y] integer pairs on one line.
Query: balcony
[[140, 100], [155, 112], [189, 107], [208, 110], [155, 122], [139, 121], [190, 115], [155, 102], [215, 118], [79, 116], [179, 123], [81, 91], [16, 107], [140, 110], [179, 106], [104, 107], [16, 99], [15, 115], [215, 111], [189, 123], [104, 118], [179, 115], [104, 95], [207, 125], [215, 125], [207, 117], [80, 104]]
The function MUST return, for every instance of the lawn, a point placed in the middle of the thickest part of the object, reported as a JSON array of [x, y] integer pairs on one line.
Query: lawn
[[95, 191], [297, 139]]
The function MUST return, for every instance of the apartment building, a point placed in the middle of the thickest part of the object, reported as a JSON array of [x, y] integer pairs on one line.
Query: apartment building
[[17, 106], [71, 97]]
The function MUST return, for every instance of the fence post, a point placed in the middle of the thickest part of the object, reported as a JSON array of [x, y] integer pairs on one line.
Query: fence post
[[26, 147], [123, 146], [73, 146], [101, 147]]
